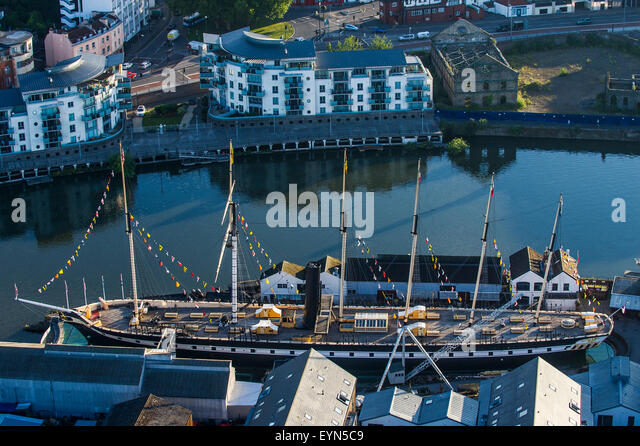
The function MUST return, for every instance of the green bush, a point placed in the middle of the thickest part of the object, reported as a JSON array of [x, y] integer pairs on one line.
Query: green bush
[[457, 145]]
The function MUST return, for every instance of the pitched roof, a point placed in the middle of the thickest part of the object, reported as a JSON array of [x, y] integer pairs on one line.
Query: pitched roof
[[148, 410], [561, 262], [328, 264], [363, 58], [188, 378], [626, 284], [534, 394], [244, 43], [285, 266], [419, 410], [458, 269], [614, 382], [525, 260], [461, 31], [66, 73], [304, 391]]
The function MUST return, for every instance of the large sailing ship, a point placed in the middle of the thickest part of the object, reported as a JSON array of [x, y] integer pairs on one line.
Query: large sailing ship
[[357, 337]]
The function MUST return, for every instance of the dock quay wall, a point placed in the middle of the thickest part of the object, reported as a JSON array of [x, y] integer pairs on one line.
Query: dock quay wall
[[211, 140]]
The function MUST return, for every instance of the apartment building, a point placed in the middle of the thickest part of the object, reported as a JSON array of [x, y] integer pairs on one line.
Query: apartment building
[[19, 45], [101, 34], [251, 74], [133, 13], [410, 12], [79, 99]]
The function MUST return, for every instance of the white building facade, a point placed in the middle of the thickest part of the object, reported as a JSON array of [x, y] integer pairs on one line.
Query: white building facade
[[133, 13], [250, 74], [79, 100]]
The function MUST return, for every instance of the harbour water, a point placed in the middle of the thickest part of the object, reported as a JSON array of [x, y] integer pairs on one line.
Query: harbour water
[[182, 210]]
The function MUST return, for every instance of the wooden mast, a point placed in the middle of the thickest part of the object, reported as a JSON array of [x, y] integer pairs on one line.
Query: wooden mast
[[414, 244], [549, 254], [484, 251], [127, 217], [343, 231]]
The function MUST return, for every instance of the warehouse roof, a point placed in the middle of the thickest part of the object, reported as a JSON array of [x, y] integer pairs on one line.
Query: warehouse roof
[[185, 378], [148, 410], [457, 269]]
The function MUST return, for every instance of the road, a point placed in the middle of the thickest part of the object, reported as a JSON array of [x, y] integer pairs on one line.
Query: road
[[306, 23]]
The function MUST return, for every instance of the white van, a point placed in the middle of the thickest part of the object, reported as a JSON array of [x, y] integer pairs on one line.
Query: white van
[[423, 35]]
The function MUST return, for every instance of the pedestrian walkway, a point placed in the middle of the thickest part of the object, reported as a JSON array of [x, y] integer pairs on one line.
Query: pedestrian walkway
[[137, 124], [187, 117]]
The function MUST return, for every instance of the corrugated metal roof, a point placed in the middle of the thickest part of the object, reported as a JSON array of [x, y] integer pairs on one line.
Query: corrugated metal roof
[[187, 379], [70, 366], [327, 60], [458, 269], [244, 43], [626, 285], [66, 73]]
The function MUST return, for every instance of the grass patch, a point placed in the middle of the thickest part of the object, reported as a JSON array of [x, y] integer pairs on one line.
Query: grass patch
[[166, 114], [563, 72], [276, 31]]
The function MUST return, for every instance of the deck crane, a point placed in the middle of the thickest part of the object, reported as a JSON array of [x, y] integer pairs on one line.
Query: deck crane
[[468, 333]]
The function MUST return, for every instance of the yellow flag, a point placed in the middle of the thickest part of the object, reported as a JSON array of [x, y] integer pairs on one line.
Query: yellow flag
[[60, 272], [230, 153], [177, 284]]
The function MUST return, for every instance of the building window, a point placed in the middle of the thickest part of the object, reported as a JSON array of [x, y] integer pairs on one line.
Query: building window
[[323, 110], [554, 287], [537, 286], [322, 99], [397, 85], [72, 117], [70, 104], [398, 96], [274, 89], [522, 286], [240, 75], [230, 84], [360, 98], [503, 85], [359, 87], [398, 107], [274, 77], [631, 421], [275, 101], [72, 128], [23, 148], [239, 85], [322, 88], [20, 125], [565, 287], [231, 95]]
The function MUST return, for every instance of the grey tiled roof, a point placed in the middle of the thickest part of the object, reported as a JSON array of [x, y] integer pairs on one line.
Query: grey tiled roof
[[244, 43], [304, 392], [66, 73], [360, 59], [614, 382]]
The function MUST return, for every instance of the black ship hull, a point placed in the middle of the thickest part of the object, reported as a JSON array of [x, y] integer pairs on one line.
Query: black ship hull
[[361, 358]]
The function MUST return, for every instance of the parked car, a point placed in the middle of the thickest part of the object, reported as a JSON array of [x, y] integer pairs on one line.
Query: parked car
[[145, 65], [131, 74], [423, 35], [141, 110], [583, 21], [407, 37], [350, 27], [379, 30], [127, 65]]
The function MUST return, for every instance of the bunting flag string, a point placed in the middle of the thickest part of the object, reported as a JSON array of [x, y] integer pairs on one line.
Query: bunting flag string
[[85, 238], [251, 239], [165, 260], [375, 267], [442, 276]]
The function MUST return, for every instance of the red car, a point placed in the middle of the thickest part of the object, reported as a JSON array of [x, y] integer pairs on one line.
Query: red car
[[131, 74]]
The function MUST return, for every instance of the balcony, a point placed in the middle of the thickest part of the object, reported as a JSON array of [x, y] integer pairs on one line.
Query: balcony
[[207, 62], [380, 101], [379, 90], [338, 103], [342, 91], [125, 105], [254, 93], [204, 74]]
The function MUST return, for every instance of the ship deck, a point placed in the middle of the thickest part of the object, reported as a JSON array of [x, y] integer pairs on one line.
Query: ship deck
[[438, 332]]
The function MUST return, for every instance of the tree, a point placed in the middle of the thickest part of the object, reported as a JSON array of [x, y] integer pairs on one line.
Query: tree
[[351, 43], [381, 43]]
